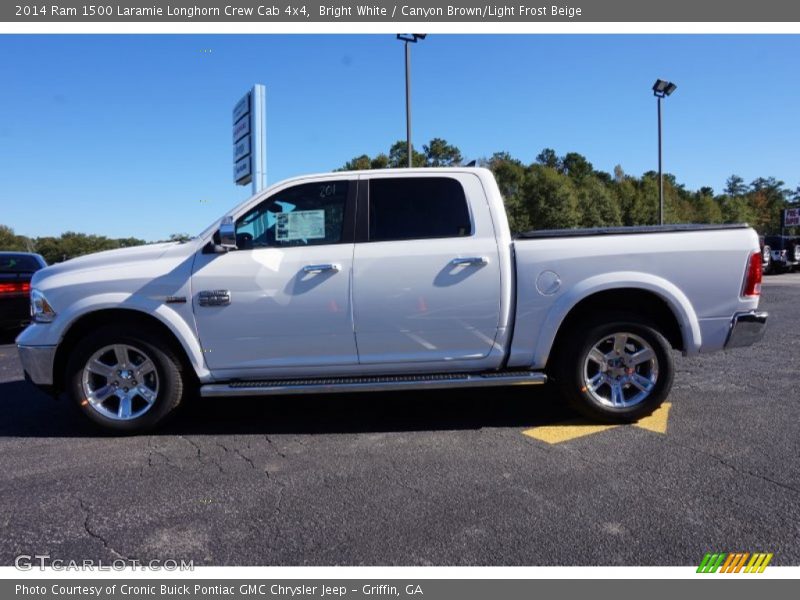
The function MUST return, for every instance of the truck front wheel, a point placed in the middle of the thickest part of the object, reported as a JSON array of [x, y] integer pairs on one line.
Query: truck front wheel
[[614, 368], [125, 379]]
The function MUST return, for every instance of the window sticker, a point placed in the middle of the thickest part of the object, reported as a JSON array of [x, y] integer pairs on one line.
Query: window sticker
[[300, 225], [284, 206]]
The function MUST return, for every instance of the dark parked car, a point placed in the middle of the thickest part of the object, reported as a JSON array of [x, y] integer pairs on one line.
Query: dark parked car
[[16, 270], [783, 254]]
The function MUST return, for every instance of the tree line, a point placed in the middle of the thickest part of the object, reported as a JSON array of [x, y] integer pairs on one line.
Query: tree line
[[553, 192], [566, 191], [67, 245]]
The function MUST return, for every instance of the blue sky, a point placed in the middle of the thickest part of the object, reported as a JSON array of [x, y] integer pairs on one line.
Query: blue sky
[[129, 135]]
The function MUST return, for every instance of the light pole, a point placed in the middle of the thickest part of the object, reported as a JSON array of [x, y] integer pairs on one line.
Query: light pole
[[661, 89], [409, 38]]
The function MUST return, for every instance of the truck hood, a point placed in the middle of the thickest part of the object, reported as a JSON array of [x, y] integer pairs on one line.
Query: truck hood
[[116, 259]]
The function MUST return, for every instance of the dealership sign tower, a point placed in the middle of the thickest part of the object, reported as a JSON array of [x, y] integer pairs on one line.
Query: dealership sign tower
[[250, 139]]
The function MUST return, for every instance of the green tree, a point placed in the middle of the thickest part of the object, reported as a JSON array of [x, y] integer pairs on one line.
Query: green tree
[[50, 248], [567, 191], [647, 200], [11, 241], [132, 241], [604, 178], [71, 244], [364, 162], [678, 205], [381, 161], [629, 201], [398, 156], [596, 205], [438, 153], [550, 198], [510, 176], [548, 158], [735, 186], [736, 209], [575, 165], [768, 199], [706, 208], [359, 163]]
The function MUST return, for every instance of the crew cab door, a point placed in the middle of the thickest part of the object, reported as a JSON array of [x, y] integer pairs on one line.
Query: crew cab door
[[282, 298], [426, 273]]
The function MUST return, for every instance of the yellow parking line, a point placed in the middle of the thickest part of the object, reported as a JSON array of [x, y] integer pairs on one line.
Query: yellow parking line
[[657, 420], [576, 428], [564, 431]]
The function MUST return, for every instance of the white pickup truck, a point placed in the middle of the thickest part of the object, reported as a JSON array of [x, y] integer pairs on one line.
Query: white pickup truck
[[386, 280]]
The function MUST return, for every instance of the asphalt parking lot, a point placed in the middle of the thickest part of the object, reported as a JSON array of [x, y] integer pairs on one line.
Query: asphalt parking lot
[[422, 478]]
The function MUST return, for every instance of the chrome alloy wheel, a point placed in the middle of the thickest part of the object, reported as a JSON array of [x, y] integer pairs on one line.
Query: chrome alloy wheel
[[120, 382], [620, 370]]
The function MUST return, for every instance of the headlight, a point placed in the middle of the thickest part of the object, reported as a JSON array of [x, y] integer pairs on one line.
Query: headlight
[[41, 311]]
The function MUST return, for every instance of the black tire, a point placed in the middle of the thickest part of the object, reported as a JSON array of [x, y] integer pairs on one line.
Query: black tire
[[166, 372], [572, 363], [766, 264], [794, 253]]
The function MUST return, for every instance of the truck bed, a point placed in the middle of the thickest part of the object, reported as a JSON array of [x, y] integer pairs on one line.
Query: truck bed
[[637, 230], [697, 270]]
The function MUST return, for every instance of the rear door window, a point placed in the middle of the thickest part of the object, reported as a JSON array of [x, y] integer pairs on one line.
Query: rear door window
[[411, 208]]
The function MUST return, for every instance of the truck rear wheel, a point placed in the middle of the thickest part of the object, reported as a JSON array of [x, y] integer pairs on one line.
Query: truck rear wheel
[[125, 379], [614, 368]]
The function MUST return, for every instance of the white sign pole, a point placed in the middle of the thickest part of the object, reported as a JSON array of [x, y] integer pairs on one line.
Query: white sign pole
[[250, 139], [259, 137]]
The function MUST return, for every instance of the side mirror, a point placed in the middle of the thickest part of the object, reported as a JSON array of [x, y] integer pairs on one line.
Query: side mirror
[[227, 234]]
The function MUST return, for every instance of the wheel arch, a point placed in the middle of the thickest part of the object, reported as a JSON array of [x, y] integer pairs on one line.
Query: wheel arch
[[106, 316], [648, 296]]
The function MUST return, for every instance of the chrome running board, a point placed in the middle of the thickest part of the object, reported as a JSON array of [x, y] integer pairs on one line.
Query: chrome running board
[[370, 383]]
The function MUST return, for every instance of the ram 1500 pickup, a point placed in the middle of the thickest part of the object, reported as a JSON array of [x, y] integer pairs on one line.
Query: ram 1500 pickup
[[386, 280]]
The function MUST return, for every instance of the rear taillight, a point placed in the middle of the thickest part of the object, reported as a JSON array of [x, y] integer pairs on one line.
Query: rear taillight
[[15, 288], [752, 279]]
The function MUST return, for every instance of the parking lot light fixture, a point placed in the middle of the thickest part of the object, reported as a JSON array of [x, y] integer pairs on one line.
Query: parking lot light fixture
[[661, 89], [409, 38]]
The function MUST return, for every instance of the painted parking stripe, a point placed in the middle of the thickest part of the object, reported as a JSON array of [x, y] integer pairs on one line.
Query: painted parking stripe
[[565, 431]]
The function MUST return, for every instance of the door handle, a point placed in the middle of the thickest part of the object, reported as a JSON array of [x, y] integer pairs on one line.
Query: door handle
[[322, 268], [469, 261]]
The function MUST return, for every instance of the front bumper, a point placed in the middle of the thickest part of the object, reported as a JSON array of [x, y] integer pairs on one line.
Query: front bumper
[[37, 362], [747, 328]]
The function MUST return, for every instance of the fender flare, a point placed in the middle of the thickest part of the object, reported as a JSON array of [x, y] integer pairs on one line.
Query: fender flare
[[168, 317], [675, 299]]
